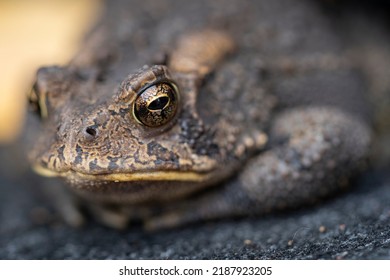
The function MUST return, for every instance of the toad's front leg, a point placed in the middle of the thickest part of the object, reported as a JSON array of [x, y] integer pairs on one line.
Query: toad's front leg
[[314, 151]]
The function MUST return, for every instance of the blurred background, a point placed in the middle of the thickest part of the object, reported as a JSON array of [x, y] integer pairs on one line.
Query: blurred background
[[32, 34]]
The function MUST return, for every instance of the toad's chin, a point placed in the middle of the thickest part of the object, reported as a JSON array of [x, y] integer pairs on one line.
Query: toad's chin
[[132, 188], [158, 175]]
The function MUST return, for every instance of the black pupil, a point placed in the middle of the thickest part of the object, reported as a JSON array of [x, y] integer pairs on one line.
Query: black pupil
[[159, 103]]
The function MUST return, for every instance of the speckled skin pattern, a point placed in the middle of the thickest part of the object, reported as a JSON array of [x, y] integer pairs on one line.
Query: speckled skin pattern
[[171, 115]]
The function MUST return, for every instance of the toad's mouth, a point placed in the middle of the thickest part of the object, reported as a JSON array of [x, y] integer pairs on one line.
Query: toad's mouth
[[168, 175]]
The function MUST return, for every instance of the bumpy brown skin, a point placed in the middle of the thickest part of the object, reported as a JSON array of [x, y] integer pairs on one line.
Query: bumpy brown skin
[[127, 152]]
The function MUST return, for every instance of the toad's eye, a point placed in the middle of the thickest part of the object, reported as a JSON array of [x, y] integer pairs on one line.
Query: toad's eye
[[156, 105], [37, 102]]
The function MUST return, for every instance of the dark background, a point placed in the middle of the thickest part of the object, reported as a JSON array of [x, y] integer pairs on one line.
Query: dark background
[[351, 225]]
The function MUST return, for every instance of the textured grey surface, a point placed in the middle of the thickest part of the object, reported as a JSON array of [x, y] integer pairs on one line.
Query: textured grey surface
[[356, 227]]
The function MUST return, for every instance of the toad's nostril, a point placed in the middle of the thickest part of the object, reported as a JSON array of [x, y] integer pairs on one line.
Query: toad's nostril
[[91, 131]]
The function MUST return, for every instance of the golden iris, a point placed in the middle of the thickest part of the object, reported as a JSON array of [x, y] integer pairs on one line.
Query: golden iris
[[156, 105]]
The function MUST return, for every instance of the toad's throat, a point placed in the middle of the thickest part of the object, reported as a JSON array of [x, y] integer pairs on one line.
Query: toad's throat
[[189, 176]]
